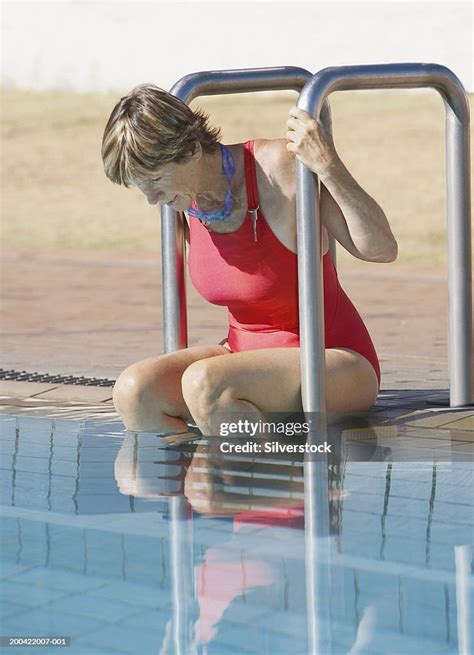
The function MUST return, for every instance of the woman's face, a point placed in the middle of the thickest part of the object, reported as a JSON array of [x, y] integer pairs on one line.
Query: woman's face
[[171, 184]]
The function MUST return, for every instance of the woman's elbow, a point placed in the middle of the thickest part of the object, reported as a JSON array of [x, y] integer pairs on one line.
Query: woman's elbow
[[392, 252], [388, 254]]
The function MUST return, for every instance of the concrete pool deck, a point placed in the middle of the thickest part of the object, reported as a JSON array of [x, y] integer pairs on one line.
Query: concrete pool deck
[[92, 314]]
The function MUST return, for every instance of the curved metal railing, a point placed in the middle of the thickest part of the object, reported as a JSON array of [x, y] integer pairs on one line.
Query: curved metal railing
[[390, 76]]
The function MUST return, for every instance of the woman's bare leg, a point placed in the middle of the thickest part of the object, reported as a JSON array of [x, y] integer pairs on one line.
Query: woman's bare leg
[[164, 393], [148, 395], [268, 380]]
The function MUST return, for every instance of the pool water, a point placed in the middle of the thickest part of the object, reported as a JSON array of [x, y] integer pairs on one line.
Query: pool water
[[128, 544]]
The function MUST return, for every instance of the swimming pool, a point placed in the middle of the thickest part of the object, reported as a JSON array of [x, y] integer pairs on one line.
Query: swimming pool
[[129, 545]]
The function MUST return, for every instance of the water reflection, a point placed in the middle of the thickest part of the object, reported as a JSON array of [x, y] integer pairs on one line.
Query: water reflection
[[218, 544], [268, 564], [146, 467]]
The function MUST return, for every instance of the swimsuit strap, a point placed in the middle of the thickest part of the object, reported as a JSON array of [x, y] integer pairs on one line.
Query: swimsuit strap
[[250, 176]]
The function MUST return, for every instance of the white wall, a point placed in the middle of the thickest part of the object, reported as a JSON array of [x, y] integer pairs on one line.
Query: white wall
[[115, 45]]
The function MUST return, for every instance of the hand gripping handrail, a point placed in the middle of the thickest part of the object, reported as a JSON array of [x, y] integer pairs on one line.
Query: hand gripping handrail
[[390, 76]]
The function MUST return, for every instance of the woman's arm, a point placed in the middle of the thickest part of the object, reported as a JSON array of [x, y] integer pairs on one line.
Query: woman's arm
[[354, 218]]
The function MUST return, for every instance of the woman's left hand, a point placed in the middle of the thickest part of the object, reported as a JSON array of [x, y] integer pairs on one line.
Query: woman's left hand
[[310, 142]]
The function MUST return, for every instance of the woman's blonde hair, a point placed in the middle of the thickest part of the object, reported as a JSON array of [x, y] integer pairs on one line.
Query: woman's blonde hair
[[148, 128]]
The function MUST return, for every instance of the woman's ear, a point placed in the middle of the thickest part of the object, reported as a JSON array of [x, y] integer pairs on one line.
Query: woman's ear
[[197, 152]]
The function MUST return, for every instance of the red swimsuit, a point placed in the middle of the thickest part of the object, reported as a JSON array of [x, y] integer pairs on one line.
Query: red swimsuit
[[258, 281]]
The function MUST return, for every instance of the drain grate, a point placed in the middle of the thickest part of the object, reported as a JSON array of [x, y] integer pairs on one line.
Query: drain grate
[[24, 376]]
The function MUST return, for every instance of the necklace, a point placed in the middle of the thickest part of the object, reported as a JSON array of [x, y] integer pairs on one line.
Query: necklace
[[228, 166]]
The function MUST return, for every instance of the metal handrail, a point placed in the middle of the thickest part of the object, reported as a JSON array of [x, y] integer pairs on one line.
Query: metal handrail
[[390, 76], [316, 89], [240, 80]]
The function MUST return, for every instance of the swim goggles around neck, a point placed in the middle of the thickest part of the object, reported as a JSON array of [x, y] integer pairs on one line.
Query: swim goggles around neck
[[228, 166]]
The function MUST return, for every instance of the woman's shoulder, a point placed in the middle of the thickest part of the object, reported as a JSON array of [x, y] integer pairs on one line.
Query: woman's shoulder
[[275, 165], [273, 153]]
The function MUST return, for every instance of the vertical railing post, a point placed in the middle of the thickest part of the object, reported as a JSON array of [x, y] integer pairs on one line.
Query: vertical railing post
[[458, 205], [310, 291], [175, 325], [181, 564], [462, 557]]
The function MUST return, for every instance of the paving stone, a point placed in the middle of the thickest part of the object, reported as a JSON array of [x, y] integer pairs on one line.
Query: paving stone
[[84, 394], [462, 436], [465, 423], [463, 449], [375, 471], [438, 433], [441, 419], [393, 412], [17, 389]]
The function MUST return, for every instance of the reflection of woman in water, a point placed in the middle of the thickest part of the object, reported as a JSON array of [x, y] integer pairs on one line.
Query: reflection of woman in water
[[237, 204], [261, 509], [262, 499]]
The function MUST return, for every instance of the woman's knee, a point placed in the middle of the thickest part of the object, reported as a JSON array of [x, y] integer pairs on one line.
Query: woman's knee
[[203, 388], [129, 388], [141, 394], [351, 382]]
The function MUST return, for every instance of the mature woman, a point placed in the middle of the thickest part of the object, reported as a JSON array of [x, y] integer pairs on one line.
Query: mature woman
[[238, 202]]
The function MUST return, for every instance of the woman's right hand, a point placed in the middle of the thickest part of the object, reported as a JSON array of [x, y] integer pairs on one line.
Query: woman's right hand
[[310, 142]]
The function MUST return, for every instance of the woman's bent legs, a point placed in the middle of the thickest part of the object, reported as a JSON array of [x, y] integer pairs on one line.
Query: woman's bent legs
[[269, 380], [148, 394], [195, 384]]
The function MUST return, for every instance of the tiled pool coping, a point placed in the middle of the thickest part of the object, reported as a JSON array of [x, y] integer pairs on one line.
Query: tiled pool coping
[[416, 411]]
